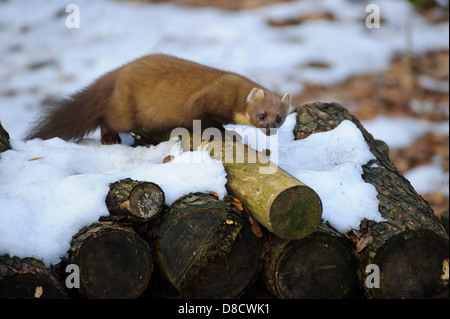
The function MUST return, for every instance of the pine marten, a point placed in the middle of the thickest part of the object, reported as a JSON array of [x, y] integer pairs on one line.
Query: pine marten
[[160, 92]]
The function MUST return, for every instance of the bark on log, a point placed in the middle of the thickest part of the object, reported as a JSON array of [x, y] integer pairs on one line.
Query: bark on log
[[28, 278], [4, 140], [444, 220], [278, 201], [114, 262], [321, 265], [130, 199], [411, 247], [206, 249]]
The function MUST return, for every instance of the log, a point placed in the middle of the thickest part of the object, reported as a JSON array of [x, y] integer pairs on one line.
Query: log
[[444, 220], [4, 140], [278, 201], [411, 247], [206, 249], [135, 200], [320, 266], [28, 278], [114, 262]]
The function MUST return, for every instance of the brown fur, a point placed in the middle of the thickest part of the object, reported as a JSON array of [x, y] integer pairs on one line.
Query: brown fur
[[158, 92]]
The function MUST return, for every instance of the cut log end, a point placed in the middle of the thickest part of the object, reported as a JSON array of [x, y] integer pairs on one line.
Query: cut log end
[[206, 248], [411, 266], [146, 200], [114, 262], [228, 276], [129, 198], [26, 286], [295, 212], [326, 270], [321, 265], [28, 278]]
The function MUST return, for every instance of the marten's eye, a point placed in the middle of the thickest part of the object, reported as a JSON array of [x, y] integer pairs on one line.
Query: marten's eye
[[278, 119], [262, 117]]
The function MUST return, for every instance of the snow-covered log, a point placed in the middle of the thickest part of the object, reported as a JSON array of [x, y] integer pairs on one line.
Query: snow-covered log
[[406, 255]]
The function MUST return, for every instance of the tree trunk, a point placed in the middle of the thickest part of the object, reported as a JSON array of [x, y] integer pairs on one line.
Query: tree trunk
[[320, 266], [130, 199], [28, 278], [4, 140], [113, 261], [281, 203], [206, 248], [411, 248]]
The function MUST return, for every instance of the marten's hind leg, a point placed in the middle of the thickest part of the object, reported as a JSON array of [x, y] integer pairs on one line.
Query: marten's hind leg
[[108, 136]]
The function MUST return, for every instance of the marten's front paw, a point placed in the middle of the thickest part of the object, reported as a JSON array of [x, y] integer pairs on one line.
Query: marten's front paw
[[111, 138]]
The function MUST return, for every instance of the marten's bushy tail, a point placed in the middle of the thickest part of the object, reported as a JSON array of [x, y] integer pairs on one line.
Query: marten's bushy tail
[[79, 114]]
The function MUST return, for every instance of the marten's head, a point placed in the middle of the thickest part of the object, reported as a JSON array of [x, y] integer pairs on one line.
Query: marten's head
[[267, 111]]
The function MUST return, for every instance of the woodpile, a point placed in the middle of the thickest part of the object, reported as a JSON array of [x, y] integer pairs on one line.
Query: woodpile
[[205, 247]]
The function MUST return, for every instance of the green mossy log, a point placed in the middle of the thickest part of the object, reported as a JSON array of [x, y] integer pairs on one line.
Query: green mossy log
[[277, 200], [206, 249]]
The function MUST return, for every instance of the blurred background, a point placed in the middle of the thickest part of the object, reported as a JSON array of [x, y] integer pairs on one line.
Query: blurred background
[[386, 61]]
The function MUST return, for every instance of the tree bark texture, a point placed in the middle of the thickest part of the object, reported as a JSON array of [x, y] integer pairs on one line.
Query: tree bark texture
[[280, 202], [4, 140], [321, 265], [411, 246], [28, 278], [113, 261], [206, 249]]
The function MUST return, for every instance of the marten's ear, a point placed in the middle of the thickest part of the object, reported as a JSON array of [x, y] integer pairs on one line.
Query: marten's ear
[[286, 101], [255, 95]]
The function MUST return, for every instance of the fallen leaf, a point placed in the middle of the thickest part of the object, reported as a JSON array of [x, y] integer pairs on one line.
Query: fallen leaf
[[445, 271], [35, 159], [235, 202], [167, 159], [38, 292], [363, 242], [214, 194], [255, 228]]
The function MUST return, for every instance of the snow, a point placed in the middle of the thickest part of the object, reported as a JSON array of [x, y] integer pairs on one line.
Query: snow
[[330, 163], [50, 189], [429, 178], [53, 188], [402, 132], [112, 33]]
